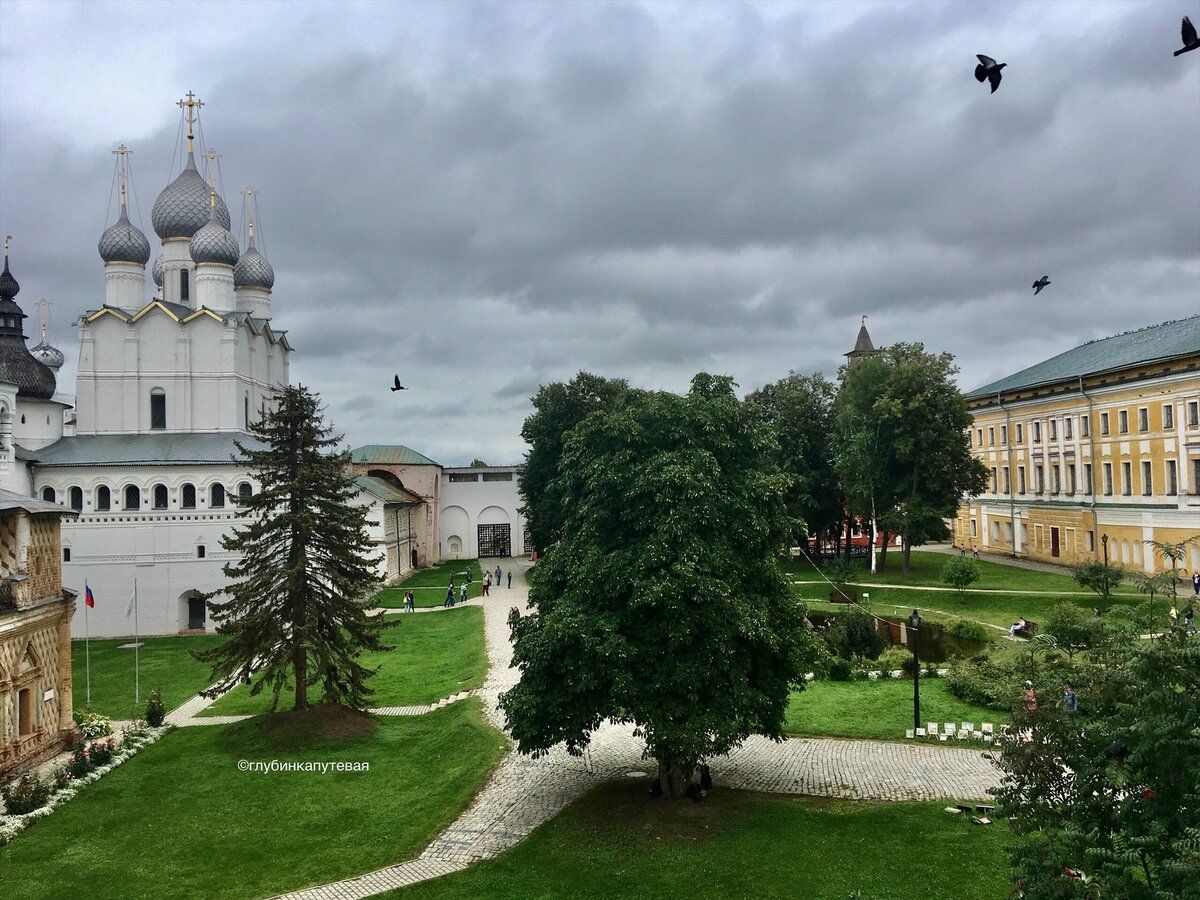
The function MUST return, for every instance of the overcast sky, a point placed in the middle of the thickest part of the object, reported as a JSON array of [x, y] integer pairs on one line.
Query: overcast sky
[[485, 197]]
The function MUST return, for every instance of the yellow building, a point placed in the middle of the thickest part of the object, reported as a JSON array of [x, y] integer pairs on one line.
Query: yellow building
[[1094, 451]]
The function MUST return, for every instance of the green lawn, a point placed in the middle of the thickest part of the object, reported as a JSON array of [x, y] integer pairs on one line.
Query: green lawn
[[164, 662], [429, 585], [435, 655], [926, 569], [995, 609], [879, 710], [180, 819], [616, 843]]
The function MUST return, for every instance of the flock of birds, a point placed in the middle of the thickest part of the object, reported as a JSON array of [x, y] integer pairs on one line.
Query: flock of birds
[[989, 70]]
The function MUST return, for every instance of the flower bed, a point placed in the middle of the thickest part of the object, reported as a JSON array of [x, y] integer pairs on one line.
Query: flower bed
[[88, 763]]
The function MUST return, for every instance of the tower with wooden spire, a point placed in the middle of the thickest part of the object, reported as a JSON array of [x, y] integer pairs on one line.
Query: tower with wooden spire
[[862, 345], [124, 249], [253, 277]]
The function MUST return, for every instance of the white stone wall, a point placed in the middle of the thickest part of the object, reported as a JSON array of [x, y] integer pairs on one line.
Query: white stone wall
[[468, 504], [158, 547]]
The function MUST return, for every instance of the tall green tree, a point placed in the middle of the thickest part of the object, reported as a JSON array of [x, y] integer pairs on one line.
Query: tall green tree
[[960, 573], [296, 610], [1099, 577], [1109, 806], [903, 441], [664, 605], [557, 409], [800, 410]]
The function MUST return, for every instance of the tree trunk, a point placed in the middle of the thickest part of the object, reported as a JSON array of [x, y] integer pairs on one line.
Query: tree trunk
[[906, 549], [300, 664], [674, 780], [849, 532], [887, 539]]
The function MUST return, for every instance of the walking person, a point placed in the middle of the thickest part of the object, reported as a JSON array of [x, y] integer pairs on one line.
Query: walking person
[[408, 602], [1189, 619], [1196, 583], [1070, 702], [1029, 697], [510, 583], [487, 584], [497, 581], [449, 594], [462, 592]]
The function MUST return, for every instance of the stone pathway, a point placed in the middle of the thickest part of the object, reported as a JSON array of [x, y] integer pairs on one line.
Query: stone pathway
[[522, 793]]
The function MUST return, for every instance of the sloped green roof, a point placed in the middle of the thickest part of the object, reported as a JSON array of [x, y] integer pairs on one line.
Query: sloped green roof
[[388, 493], [389, 455], [167, 448], [1157, 342]]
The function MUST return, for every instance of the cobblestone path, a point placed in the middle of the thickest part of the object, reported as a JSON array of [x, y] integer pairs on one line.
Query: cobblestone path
[[522, 793]]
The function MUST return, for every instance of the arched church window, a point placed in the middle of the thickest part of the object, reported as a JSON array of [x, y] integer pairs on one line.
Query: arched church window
[[75, 496], [22, 418], [133, 497], [158, 408], [187, 496], [160, 496], [183, 284], [103, 498], [216, 496], [245, 490], [48, 494]]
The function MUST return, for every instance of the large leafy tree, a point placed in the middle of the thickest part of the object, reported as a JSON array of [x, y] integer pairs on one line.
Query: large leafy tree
[[296, 609], [902, 438], [800, 410], [664, 605], [557, 409], [1109, 805]]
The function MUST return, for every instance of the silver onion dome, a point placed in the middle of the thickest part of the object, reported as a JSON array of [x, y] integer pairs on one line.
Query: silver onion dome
[[48, 355], [182, 208], [124, 242], [157, 270], [214, 244], [253, 270]]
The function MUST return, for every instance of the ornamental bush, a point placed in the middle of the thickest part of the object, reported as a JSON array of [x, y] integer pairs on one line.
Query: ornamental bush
[[840, 670], [93, 725], [156, 709], [23, 793], [101, 752], [967, 630], [982, 681]]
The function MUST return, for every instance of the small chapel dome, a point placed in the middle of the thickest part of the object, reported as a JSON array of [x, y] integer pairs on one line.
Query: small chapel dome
[[253, 270], [182, 208], [157, 270], [214, 244], [48, 355], [124, 242]]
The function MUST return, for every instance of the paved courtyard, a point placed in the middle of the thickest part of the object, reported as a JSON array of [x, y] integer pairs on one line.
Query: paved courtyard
[[522, 793]]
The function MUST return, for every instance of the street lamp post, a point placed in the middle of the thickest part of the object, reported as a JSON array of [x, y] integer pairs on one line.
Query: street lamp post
[[914, 625]]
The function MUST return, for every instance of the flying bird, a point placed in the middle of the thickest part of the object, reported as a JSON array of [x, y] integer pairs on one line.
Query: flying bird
[[396, 385], [988, 70], [1039, 284], [1190, 41]]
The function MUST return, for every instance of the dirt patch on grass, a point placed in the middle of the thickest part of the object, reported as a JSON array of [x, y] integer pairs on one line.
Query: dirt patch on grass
[[327, 722]]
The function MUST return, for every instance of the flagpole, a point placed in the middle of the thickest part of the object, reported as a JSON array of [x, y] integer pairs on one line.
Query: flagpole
[[137, 687], [87, 648]]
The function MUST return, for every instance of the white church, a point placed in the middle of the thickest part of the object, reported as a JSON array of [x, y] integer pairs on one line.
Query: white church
[[146, 455]]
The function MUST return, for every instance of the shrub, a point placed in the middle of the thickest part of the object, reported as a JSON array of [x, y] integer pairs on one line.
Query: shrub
[[967, 630], [840, 670], [984, 682], [960, 573], [156, 709], [101, 752], [23, 793], [80, 762], [894, 659], [93, 725]]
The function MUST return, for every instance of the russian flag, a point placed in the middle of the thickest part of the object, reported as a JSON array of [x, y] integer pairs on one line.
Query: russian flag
[[87, 596]]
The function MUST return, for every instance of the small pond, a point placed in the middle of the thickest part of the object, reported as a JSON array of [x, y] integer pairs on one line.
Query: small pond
[[937, 645]]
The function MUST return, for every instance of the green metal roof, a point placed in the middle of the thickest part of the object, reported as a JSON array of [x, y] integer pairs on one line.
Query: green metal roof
[[1157, 342], [160, 448], [389, 455], [388, 493]]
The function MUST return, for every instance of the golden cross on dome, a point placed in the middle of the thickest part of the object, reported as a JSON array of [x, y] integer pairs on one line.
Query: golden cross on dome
[[122, 151], [44, 309], [249, 192], [191, 105]]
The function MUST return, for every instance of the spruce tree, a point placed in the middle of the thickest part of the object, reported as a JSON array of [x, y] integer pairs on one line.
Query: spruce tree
[[295, 609]]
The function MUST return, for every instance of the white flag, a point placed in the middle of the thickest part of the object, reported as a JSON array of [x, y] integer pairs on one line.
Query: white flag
[[132, 603]]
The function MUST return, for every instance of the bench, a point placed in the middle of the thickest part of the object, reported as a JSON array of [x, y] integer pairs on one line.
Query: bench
[[843, 596], [1028, 631]]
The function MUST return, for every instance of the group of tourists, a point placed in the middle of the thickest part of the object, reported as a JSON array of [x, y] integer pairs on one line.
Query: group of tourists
[[456, 594]]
